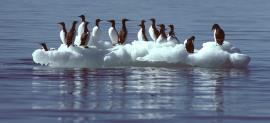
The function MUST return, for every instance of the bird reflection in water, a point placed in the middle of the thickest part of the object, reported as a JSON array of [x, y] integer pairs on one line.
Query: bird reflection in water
[[134, 93], [205, 90]]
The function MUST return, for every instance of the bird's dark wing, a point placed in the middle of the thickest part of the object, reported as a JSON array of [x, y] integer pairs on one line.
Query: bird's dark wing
[[122, 36], [70, 36], [220, 36], [190, 47], [156, 32], [83, 39]]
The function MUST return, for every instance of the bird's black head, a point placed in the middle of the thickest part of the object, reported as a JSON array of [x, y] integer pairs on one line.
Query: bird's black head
[[98, 20], [153, 19], [192, 38], [162, 26], [143, 21], [82, 17], [112, 21], [61, 23], [215, 26], [171, 26], [75, 22], [124, 19]]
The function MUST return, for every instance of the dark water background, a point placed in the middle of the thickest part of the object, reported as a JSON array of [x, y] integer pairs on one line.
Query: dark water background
[[33, 93]]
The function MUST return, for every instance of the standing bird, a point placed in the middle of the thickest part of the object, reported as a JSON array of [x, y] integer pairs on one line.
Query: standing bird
[[63, 33], [44, 46], [162, 37], [113, 34], [123, 32], [96, 32], [219, 34], [141, 34], [85, 36], [154, 33], [81, 26], [71, 34], [189, 44], [171, 36]]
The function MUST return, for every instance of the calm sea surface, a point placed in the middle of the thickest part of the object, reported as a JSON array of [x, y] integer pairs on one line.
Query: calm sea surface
[[30, 93]]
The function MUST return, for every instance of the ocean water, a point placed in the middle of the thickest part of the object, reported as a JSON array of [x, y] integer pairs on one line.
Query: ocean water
[[31, 93]]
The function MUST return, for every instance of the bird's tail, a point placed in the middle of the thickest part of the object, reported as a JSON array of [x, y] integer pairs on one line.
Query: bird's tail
[[44, 46]]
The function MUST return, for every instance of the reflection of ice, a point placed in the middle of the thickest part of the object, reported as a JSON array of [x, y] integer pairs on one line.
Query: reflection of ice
[[129, 93], [207, 88], [105, 90]]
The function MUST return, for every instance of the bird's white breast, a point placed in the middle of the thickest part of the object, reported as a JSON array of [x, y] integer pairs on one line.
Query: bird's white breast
[[81, 29], [140, 35], [113, 35], [62, 36], [96, 33], [161, 39], [152, 33], [172, 39], [215, 31], [185, 42]]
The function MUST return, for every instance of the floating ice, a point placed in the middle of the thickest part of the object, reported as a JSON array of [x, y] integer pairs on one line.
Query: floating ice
[[141, 53]]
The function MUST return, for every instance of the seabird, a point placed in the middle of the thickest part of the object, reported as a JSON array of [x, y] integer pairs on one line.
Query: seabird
[[162, 37], [44, 46], [171, 36], [219, 34], [63, 33], [189, 44], [81, 26], [96, 32], [141, 34], [85, 36], [71, 34], [154, 33], [113, 33], [123, 32]]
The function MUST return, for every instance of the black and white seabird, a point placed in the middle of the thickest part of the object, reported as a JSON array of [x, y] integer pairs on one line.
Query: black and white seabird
[[96, 32], [189, 44], [141, 34], [162, 37], [81, 26], [171, 36], [85, 36], [219, 34], [71, 34], [123, 32], [154, 33], [63, 33], [113, 34], [44, 46]]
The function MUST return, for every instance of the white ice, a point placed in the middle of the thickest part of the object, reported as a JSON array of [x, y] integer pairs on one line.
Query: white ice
[[141, 53]]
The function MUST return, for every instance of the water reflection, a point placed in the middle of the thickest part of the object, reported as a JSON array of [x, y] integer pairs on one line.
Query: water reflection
[[206, 87], [132, 93]]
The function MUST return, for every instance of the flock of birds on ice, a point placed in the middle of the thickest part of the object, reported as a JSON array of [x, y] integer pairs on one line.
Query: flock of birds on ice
[[118, 38]]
